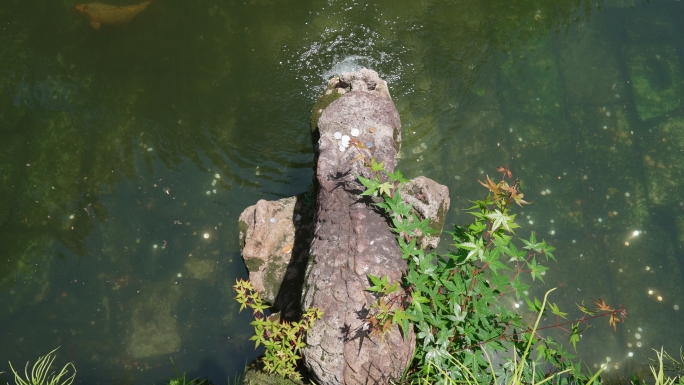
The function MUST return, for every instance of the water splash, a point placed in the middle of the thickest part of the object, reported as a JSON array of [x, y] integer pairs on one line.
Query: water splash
[[348, 48], [349, 64]]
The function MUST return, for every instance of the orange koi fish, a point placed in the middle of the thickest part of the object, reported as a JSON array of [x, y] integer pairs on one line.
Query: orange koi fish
[[110, 14]]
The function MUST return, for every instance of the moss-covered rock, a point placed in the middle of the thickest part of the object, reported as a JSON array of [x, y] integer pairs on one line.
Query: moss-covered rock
[[611, 197], [590, 71], [662, 161], [531, 80], [655, 78], [332, 92]]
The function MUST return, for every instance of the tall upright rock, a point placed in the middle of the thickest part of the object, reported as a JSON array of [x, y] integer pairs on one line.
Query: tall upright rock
[[352, 239]]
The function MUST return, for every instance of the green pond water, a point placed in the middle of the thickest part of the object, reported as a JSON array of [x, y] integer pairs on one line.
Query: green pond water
[[127, 154]]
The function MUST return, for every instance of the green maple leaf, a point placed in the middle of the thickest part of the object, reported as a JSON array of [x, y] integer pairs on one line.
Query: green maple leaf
[[375, 166], [555, 310], [575, 335], [536, 270], [500, 220], [385, 189], [474, 249]]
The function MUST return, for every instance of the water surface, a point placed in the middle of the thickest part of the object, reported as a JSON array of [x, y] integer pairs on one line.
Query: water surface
[[127, 154]]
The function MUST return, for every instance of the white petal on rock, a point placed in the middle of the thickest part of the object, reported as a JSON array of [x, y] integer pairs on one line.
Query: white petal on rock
[[355, 132], [337, 135]]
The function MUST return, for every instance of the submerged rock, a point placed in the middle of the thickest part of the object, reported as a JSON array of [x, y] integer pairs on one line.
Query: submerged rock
[[655, 78], [154, 326]]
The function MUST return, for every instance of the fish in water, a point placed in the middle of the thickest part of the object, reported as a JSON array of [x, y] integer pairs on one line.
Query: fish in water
[[110, 14]]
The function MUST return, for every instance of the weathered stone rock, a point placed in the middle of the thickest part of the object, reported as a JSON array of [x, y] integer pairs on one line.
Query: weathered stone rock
[[275, 238], [351, 240], [267, 234], [348, 240], [429, 200]]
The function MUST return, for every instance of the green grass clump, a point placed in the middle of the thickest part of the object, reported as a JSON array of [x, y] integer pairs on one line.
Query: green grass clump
[[39, 373]]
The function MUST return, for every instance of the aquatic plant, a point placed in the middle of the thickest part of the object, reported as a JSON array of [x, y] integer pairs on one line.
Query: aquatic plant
[[454, 302], [39, 372]]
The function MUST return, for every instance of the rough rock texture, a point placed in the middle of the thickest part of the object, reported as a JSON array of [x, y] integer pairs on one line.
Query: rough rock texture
[[275, 238], [351, 240], [267, 232], [429, 200], [346, 237]]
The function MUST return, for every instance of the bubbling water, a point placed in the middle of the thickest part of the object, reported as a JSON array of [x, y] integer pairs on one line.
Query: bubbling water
[[349, 48], [350, 64]]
